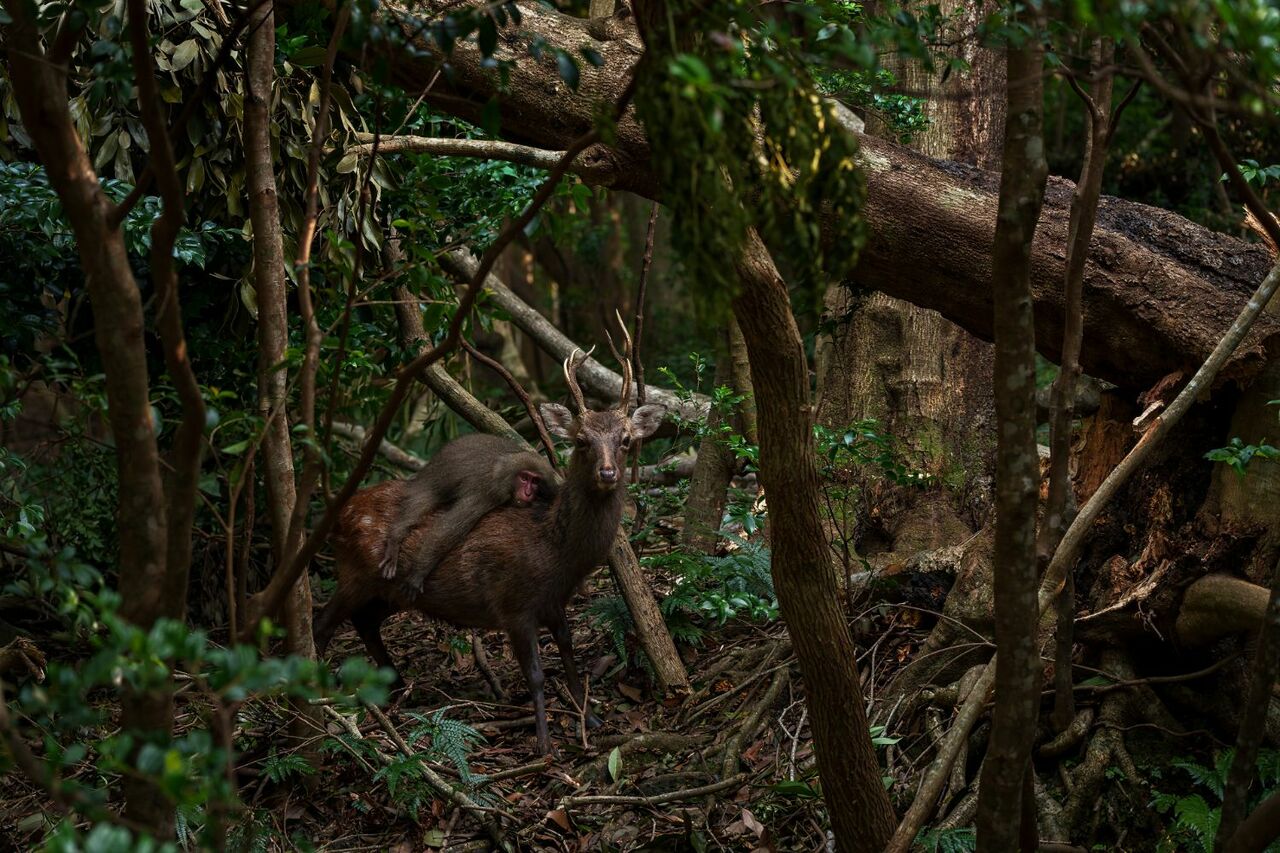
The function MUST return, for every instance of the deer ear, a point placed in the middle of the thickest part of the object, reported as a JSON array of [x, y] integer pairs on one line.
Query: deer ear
[[646, 419], [557, 418]]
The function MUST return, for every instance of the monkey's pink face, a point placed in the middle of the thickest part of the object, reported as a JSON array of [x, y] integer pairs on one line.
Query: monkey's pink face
[[527, 483]]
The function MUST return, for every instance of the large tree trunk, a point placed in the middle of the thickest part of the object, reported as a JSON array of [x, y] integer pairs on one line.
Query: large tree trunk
[[1160, 289], [922, 376]]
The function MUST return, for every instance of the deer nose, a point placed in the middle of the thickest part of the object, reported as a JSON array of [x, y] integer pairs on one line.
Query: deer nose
[[608, 475]]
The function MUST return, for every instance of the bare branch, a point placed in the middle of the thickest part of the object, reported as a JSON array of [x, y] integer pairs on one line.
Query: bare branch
[[548, 445]]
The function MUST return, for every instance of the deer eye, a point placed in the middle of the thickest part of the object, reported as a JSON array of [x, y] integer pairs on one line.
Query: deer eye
[[581, 443], [626, 442]]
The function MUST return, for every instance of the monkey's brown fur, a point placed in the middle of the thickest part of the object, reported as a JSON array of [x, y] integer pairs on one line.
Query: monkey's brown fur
[[468, 477]]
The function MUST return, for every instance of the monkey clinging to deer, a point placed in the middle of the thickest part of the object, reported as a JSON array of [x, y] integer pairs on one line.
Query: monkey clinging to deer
[[517, 567], [469, 476]]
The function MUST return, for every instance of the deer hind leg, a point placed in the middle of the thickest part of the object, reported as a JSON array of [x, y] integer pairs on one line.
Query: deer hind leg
[[564, 642], [333, 615], [368, 619], [525, 643]]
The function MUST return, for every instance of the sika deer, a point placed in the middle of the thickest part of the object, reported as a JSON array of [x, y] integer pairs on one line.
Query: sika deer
[[518, 567]]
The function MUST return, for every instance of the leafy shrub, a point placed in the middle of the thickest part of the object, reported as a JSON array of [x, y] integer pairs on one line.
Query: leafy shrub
[[1196, 814]]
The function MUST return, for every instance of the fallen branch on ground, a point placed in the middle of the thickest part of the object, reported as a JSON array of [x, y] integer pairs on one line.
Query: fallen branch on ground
[[656, 799]]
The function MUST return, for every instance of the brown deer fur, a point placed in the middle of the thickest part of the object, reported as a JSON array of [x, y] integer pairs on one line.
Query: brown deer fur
[[517, 568]]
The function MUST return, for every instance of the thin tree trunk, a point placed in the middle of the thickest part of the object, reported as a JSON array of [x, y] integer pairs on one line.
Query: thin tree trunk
[[1084, 211], [740, 370], [268, 281], [147, 589], [1017, 464], [861, 815], [273, 337]]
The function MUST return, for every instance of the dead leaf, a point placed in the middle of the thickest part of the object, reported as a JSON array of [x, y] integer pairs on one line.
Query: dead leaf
[[560, 819], [630, 692], [637, 720], [750, 822], [601, 665]]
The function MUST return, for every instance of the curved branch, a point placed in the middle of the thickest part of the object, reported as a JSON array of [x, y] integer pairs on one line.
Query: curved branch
[[594, 376]]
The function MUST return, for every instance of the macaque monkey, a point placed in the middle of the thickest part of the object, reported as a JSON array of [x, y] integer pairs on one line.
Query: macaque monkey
[[469, 476]]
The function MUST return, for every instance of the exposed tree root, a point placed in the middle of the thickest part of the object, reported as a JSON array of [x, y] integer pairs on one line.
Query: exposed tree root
[[1103, 748], [1218, 605], [1067, 740]]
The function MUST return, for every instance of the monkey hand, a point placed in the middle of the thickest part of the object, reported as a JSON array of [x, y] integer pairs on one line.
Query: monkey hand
[[388, 564]]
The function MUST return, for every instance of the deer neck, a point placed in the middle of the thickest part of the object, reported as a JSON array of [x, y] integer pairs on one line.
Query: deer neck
[[586, 521]]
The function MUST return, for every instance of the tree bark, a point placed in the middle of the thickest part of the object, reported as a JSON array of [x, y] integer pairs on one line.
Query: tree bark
[[1161, 289], [1084, 208], [1017, 681], [268, 281], [711, 474], [861, 815], [924, 378], [145, 584]]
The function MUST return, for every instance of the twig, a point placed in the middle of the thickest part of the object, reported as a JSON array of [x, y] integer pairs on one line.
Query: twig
[[395, 455], [64, 801], [311, 471], [522, 770], [656, 799], [733, 749], [516, 388]]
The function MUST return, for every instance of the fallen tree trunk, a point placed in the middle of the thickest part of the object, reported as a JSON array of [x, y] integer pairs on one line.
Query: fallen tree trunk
[[1159, 290]]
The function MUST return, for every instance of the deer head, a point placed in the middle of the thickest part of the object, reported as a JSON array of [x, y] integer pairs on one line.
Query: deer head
[[601, 439]]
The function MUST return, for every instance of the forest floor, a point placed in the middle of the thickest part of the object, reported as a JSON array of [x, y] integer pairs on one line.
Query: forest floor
[[728, 767]]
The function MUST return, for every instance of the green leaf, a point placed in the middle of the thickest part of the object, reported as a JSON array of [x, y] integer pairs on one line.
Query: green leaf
[[184, 55], [615, 764], [796, 788], [309, 56], [347, 164]]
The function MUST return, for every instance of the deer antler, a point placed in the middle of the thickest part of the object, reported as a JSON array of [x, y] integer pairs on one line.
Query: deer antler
[[571, 365], [624, 359]]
